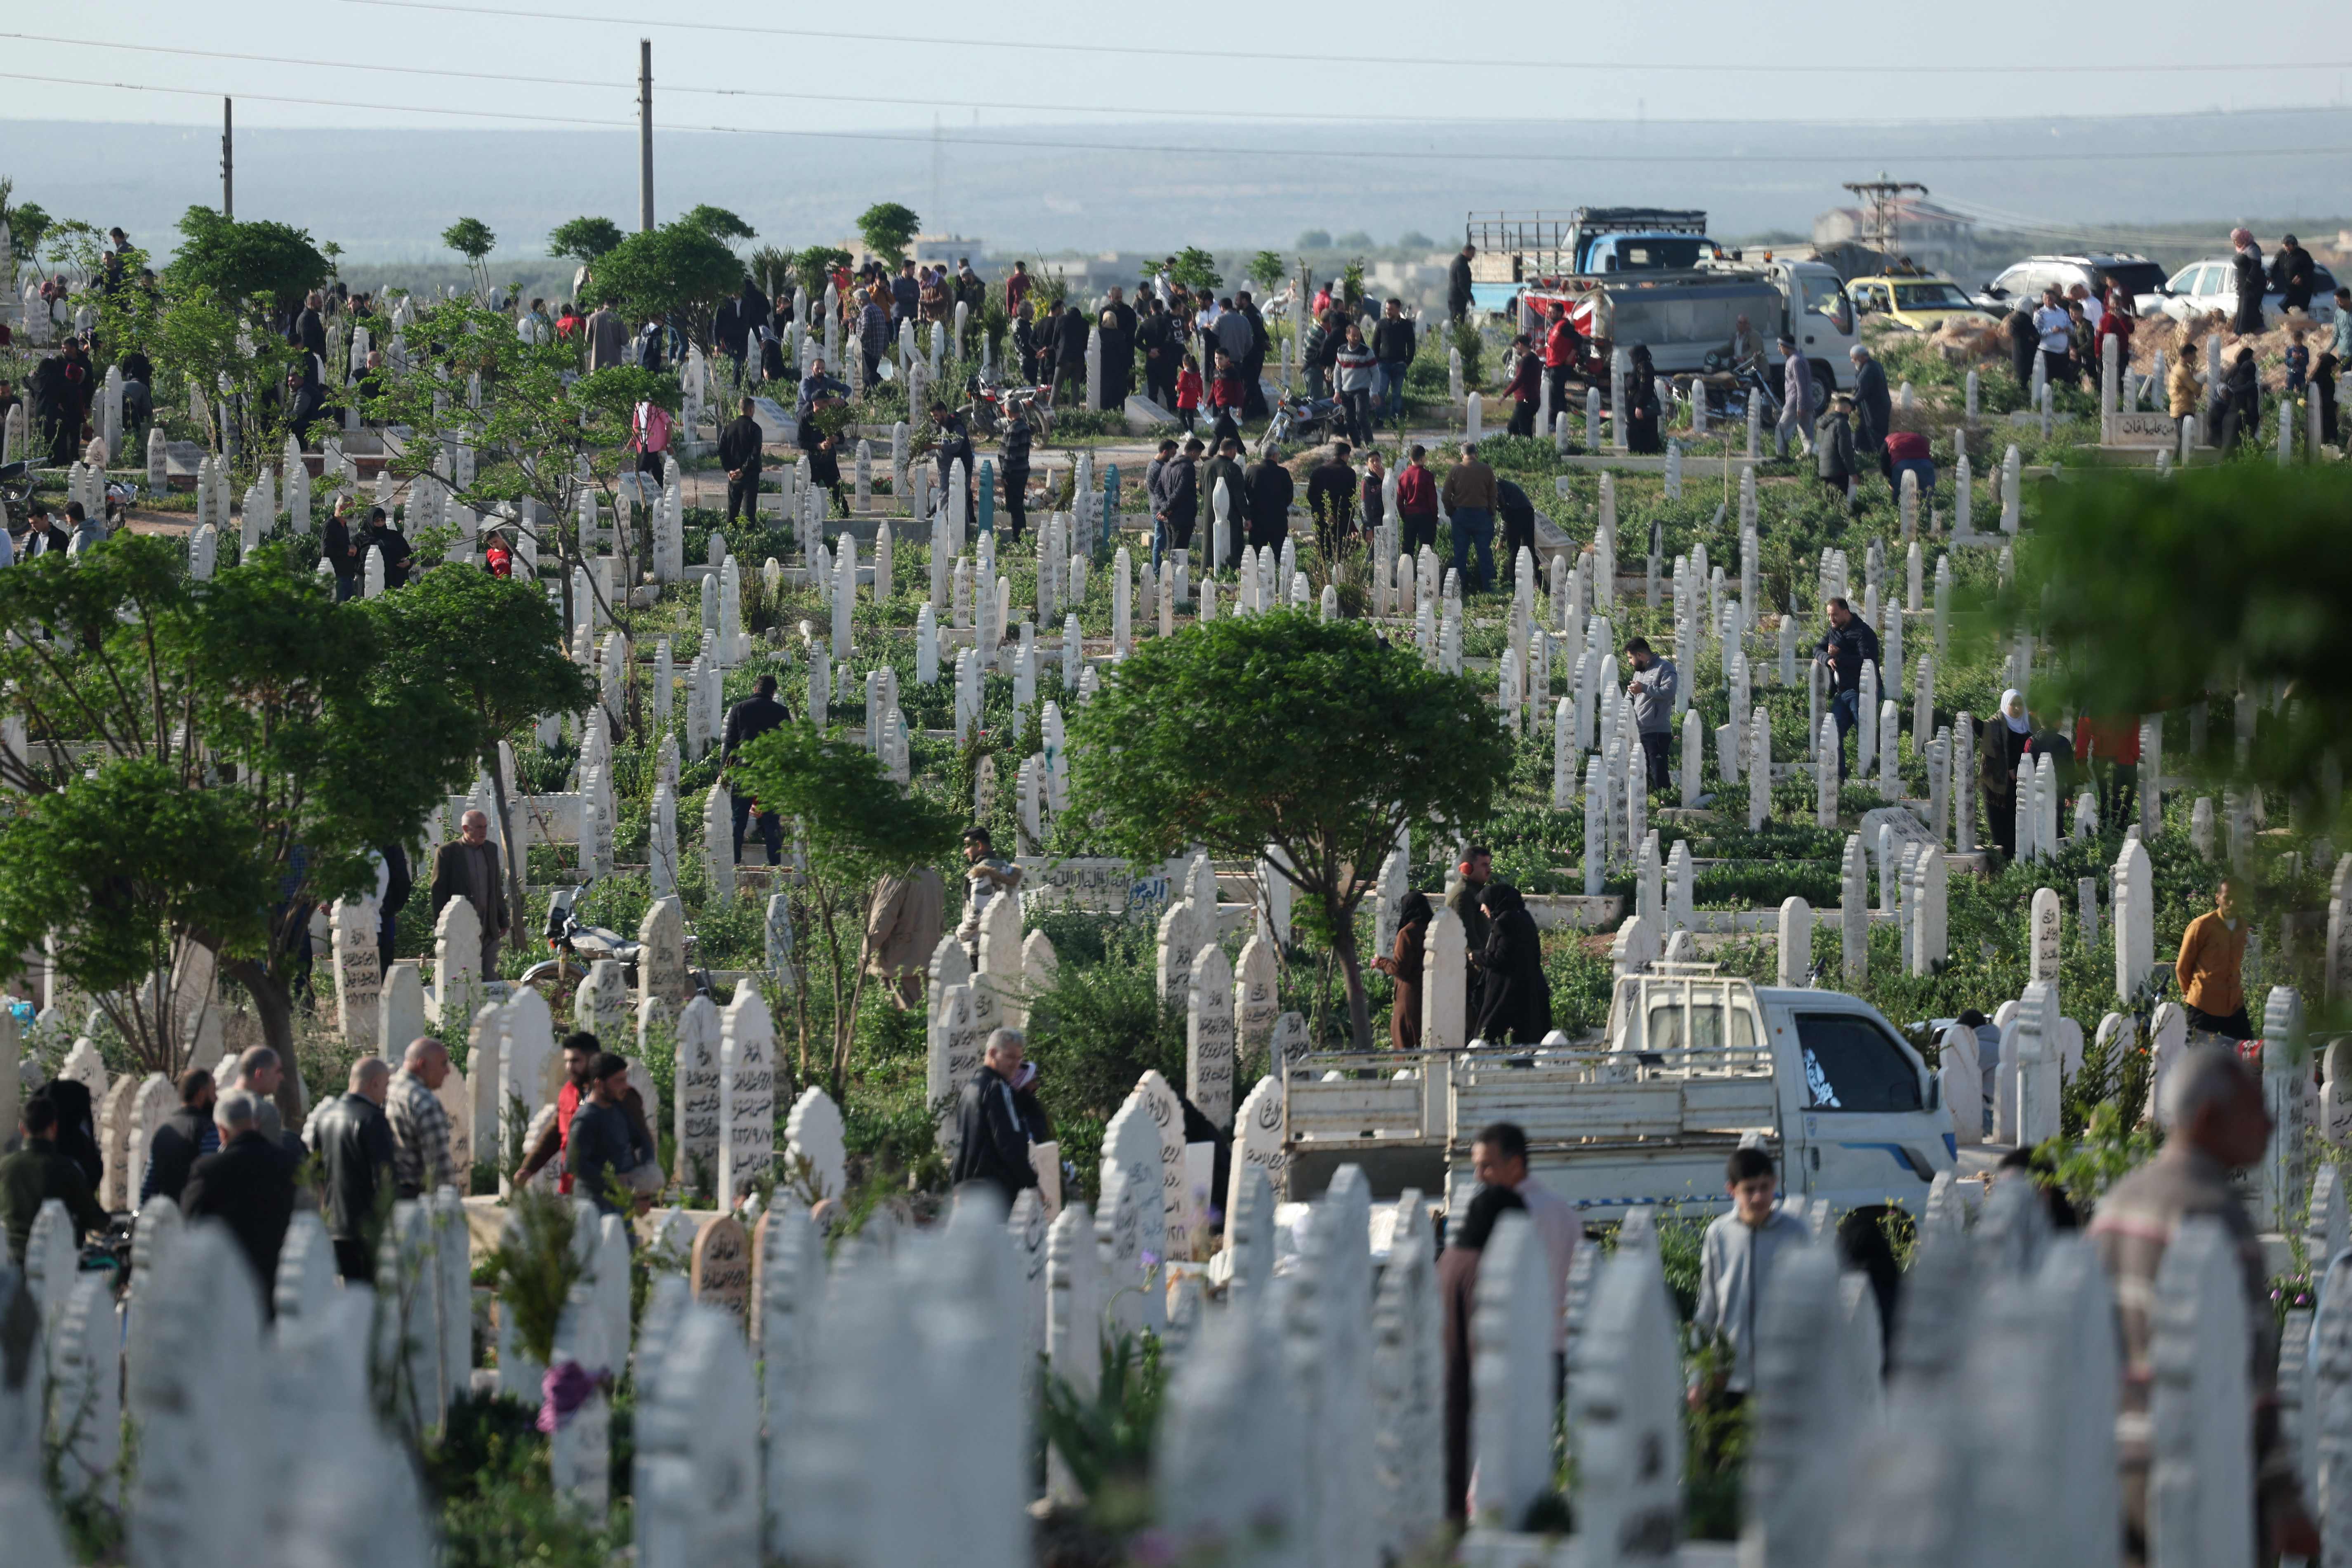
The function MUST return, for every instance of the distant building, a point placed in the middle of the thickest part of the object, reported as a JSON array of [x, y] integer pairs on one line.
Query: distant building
[[928, 250], [1932, 237]]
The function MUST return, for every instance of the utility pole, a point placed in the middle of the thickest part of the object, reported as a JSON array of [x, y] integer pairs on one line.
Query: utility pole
[[1885, 196], [646, 134], [228, 158]]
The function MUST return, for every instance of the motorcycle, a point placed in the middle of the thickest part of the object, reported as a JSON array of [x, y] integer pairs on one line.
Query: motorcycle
[[1752, 378], [993, 405], [16, 492], [579, 946], [1300, 419]]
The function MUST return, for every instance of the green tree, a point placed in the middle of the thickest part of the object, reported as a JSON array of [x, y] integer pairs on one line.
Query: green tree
[[1195, 268], [1283, 730], [2155, 594], [239, 264], [1354, 239], [887, 226], [203, 761], [680, 268], [28, 222], [719, 223], [496, 644], [537, 420], [812, 268], [471, 239], [1266, 270], [1414, 239], [860, 827], [1315, 240], [583, 238]]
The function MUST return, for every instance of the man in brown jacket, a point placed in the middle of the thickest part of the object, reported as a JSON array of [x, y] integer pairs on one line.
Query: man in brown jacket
[[1470, 501], [2219, 1125], [467, 867], [909, 912], [2213, 955], [608, 335]]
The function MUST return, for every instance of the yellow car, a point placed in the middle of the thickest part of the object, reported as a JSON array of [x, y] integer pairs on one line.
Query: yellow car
[[1919, 302]]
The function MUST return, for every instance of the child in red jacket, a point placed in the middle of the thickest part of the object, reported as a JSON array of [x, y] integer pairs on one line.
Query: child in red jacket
[[1188, 393]]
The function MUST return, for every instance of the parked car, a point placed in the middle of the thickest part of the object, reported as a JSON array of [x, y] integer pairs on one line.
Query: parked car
[[2203, 287], [1921, 302], [2141, 279]]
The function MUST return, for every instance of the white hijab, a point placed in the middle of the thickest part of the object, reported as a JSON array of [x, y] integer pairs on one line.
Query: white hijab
[[2019, 722]]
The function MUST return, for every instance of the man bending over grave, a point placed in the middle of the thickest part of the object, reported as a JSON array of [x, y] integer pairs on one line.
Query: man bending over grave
[[2219, 1125], [992, 1141], [581, 1051]]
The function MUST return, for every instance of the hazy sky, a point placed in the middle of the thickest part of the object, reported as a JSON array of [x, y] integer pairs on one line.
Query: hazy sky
[[536, 61]]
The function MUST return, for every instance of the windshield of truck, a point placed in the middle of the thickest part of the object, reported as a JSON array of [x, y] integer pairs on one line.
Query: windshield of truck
[[1852, 1064], [1700, 1026], [1658, 253], [1931, 296]]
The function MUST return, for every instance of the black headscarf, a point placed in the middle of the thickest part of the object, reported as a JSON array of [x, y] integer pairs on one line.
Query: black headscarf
[[77, 1126], [1478, 1223], [1499, 899], [1413, 909]]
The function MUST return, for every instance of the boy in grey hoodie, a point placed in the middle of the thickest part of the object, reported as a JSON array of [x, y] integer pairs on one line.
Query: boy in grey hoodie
[[1652, 692]]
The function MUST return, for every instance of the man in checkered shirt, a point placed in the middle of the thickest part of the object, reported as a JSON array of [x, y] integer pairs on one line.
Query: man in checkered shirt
[[420, 1127]]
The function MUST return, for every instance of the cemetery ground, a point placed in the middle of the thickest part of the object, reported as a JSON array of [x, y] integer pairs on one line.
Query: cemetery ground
[[1099, 1018]]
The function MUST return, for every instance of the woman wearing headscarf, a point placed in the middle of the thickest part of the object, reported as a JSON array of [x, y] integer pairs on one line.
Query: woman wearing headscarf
[[1641, 404], [2246, 275], [1514, 998], [2003, 745], [1457, 1288], [1403, 966]]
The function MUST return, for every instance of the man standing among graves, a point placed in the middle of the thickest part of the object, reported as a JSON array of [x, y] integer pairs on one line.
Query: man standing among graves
[[1416, 503], [1069, 342], [1155, 335], [1873, 409], [605, 1148], [1525, 388], [1175, 498], [2219, 1125], [1564, 345], [352, 1138], [468, 867], [1735, 1261], [1463, 898], [247, 1186], [337, 548], [420, 1127], [1796, 398], [389, 542], [1652, 691], [1845, 648], [1270, 489], [259, 1072], [608, 337], [582, 1052], [992, 1143], [2211, 967], [1226, 468], [2247, 277], [1457, 284], [739, 454], [183, 1137], [1470, 501], [1012, 465], [1457, 1288], [953, 445], [987, 876], [1331, 497], [1394, 343], [746, 722], [2054, 325], [39, 1170], [1117, 348], [1500, 1158]]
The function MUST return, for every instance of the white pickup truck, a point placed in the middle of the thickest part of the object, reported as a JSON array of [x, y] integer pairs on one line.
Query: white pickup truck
[[1694, 1063]]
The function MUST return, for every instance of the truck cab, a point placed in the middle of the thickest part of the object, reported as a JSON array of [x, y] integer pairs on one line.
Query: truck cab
[[1695, 1064]]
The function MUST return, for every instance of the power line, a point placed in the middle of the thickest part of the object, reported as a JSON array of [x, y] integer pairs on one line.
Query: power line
[[923, 138], [1478, 62]]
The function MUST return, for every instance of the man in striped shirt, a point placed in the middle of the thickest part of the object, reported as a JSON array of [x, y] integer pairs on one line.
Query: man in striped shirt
[[2219, 1124], [420, 1127]]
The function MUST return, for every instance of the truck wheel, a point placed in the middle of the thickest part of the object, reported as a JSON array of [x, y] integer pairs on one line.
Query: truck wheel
[[1824, 382]]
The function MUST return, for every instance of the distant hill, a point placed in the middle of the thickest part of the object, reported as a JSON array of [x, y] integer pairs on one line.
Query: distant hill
[[385, 194]]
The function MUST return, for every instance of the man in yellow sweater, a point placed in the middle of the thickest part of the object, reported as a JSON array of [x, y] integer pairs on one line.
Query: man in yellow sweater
[[2212, 952]]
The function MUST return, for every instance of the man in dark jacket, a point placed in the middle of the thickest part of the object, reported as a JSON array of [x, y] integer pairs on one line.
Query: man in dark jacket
[[352, 1138], [2024, 342], [249, 1187], [1155, 338], [1331, 497], [1070, 352], [467, 867], [1013, 466], [992, 1141], [905, 295], [1175, 500], [1119, 329], [1845, 648], [2292, 276], [1457, 284], [1270, 492], [380, 536], [1518, 516], [183, 1137], [953, 445], [1394, 343], [746, 721], [1873, 409], [1225, 549], [1526, 388], [739, 453], [339, 551], [1253, 363], [39, 1172]]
